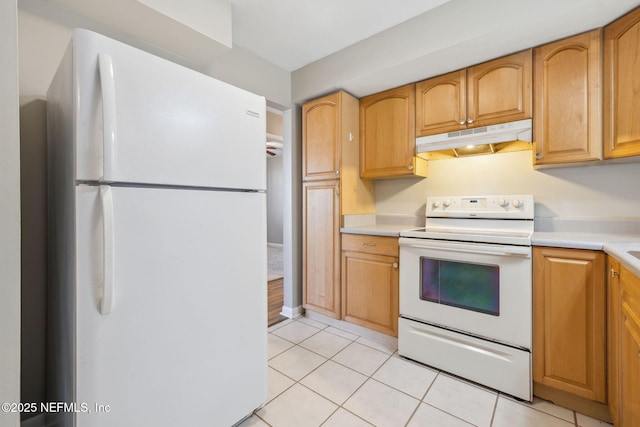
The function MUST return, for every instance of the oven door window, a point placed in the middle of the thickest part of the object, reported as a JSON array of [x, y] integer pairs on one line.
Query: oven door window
[[466, 285]]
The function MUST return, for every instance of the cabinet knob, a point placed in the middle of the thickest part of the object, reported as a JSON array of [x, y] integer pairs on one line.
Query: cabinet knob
[[538, 156], [395, 265], [614, 273], [337, 172], [410, 167], [462, 122], [469, 121]]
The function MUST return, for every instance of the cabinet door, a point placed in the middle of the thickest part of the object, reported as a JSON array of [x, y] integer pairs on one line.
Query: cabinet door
[[321, 249], [621, 83], [629, 369], [321, 129], [567, 113], [500, 90], [629, 349], [569, 321], [370, 291], [441, 104], [613, 336], [387, 134]]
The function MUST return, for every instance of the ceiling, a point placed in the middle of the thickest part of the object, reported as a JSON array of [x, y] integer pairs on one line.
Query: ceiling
[[292, 34]]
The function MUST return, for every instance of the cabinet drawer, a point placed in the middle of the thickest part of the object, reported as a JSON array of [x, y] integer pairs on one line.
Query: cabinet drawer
[[370, 244]]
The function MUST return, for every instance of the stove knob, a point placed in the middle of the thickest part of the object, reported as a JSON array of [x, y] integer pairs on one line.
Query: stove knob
[[436, 204], [516, 203], [447, 203], [503, 202]]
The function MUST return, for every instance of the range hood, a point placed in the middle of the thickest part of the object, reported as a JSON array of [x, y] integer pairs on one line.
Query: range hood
[[509, 136]]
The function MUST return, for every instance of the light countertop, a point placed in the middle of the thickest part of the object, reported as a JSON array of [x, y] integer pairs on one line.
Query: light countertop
[[392, 230], [620, 251], [574, 240], [616, 245]]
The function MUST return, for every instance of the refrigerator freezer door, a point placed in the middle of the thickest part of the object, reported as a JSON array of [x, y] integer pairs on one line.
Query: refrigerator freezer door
[[185, 342], [142, 119]]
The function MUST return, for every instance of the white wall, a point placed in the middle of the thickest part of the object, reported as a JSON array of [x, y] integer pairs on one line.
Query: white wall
[[45, 33], [33, 184], [275, 199], [292, 165], [602, 191], [9, 214], [454, 35]]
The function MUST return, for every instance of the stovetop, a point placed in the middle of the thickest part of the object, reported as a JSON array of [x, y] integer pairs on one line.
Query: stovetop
[[504, 219]]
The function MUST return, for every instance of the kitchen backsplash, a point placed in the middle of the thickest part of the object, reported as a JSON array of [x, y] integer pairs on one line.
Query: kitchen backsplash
[[603, 191]]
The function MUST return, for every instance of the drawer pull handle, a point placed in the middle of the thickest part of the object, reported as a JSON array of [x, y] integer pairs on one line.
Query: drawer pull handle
[[369, 245]]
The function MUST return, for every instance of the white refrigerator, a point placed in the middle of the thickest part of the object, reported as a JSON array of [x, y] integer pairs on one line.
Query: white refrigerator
[[157, 219]]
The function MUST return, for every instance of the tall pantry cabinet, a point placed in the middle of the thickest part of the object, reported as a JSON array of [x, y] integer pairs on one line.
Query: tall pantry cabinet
[[331, 188]]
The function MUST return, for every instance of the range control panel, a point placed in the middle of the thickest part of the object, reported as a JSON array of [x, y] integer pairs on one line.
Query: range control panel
[[512, 206]]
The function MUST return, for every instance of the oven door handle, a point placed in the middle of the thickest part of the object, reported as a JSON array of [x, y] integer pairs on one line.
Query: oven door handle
[[500, 250]]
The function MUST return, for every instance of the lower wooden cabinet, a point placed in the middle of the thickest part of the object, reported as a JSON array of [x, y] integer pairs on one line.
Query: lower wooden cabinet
[[624, 346], [569, 321], [370, 282], [613, 337], [630, 369]]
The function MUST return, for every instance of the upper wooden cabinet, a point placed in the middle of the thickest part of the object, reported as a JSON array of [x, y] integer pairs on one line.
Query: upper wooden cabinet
[[493, 92], [621, 87], [499, 91], [567, 109], [321, 128], [387, 132], [441, 104], [569, 312]]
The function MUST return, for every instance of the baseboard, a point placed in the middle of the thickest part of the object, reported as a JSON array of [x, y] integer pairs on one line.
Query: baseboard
[[567, 400], [292, 313]]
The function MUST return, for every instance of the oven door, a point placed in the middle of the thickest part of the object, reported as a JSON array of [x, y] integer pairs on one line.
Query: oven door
[[476, 288]]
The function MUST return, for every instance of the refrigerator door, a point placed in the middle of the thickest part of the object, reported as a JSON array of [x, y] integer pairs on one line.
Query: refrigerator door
[[184, 339], [142, 119]]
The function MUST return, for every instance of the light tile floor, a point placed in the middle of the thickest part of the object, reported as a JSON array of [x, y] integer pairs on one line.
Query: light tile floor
[[320, 375]]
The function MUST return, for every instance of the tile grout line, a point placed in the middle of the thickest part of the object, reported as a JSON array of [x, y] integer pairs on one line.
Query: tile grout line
[[495, 408], [422, 399]]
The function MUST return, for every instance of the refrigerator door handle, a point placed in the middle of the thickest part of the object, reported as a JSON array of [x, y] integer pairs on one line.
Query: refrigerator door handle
[[108, 88], [107, 250]]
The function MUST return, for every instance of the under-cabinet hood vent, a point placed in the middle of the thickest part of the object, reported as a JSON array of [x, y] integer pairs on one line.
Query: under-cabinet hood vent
[[482, 140]]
